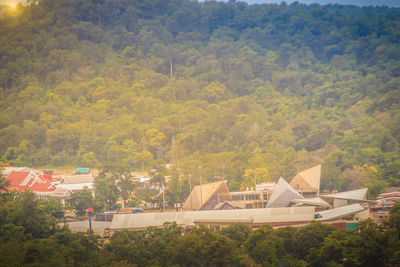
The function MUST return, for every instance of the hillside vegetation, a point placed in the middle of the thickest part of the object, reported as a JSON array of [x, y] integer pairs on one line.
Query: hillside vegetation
[[248, 92]]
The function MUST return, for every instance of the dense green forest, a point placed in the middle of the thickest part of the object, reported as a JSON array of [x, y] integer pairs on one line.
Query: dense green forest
[[248, 92], [29, 236]]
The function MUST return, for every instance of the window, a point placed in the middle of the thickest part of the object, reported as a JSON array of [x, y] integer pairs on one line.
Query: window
[[253, 197], [237, 197]]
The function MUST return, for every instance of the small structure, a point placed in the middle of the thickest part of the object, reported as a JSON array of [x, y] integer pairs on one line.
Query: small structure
[[81, 170], [283, 194], [307, 182], [207, 196]]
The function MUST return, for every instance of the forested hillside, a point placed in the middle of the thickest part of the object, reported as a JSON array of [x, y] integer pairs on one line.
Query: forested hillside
[[248, 92]]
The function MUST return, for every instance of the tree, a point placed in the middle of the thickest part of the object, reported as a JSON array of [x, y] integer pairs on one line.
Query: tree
[[126, 246], [106, 193], [23, 210], [200, 247], [285, 241], [52, 207], [310, 236], [214, 92], [144, 157], [144, 248], [174, 187], [394, 220], [238, 232], [340, 248], [119, 176], [4, 183], [261, 246], [81, 200], [376, 245], [254, 176], [126, 187], [155, 140]]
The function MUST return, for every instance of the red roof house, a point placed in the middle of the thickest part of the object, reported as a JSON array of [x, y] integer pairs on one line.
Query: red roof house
[[20, 181]]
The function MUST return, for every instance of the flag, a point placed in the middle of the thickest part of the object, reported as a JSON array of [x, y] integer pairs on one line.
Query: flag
[[162, 188]]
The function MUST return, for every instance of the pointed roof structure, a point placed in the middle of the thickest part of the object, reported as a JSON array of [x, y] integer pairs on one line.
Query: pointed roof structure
[[207, 196], [283, 194], [308, 180], [358, 194]]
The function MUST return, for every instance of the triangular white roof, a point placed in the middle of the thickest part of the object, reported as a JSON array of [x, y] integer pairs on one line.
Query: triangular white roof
[[31, 178], [283, 194], [359, 194]]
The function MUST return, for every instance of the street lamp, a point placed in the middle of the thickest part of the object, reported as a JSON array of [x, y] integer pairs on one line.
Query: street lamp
[[90, 211]]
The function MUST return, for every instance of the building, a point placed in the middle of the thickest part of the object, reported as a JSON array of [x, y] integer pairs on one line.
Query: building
[[307, 182], [249, 199], [215, 219], [207, 196], [391, 196], [71, 183], [20, 181]]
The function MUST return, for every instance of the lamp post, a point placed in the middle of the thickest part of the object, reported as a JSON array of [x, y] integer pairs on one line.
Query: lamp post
[[90, 211]]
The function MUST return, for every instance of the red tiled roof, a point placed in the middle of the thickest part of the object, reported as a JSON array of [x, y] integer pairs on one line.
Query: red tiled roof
[[16, 178], [42, 187]]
